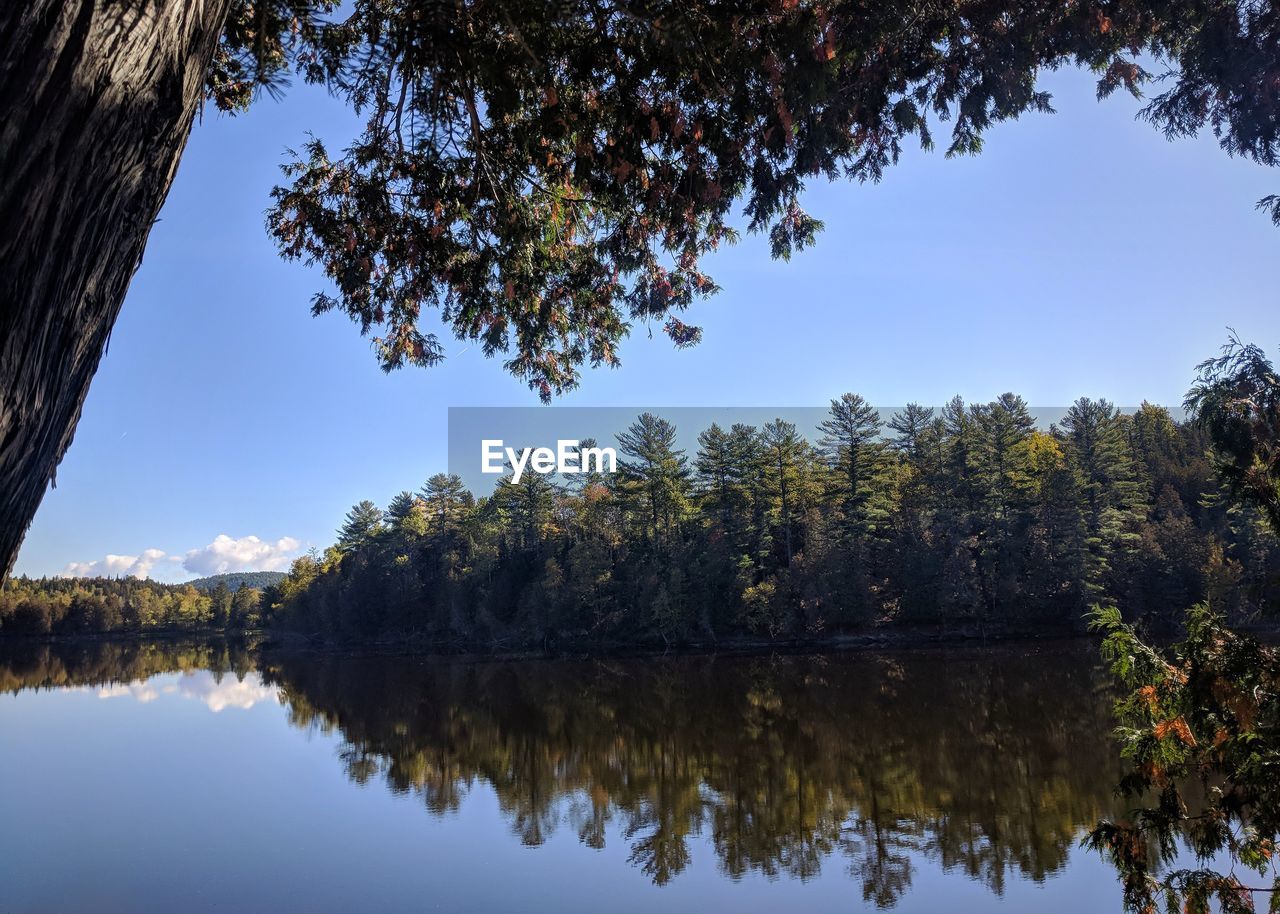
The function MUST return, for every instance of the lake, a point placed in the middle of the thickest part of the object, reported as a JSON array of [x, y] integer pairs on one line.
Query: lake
[[161, 777]]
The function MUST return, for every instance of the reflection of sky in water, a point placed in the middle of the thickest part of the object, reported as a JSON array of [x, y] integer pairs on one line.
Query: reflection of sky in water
[[203, 686], [956, 780]]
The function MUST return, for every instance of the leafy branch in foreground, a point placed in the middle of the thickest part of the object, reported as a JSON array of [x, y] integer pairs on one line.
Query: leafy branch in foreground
[[530, 178], [1199, 726], [535, 178], [1199, 723], [1236, 398]]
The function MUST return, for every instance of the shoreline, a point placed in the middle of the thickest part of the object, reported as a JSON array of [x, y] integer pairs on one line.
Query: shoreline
[[887, 638], [270, 640]]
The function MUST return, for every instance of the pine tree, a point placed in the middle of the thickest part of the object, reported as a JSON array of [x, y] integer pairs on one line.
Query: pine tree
[[446, 499], [1002, 469], [752, 532], [220, 605], [851, 443], [958, 500], [1236, 401], [589, 475], [526, 507], [244, 607], [717, 476], [1006, 426], [653, 479], [1095, 435], [1097, 442], [361, 527], [914, 568], [399, 508], [912, 425], [785, 452], [974, 516]]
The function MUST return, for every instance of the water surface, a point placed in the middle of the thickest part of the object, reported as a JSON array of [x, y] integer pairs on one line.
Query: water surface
[[161, 778]]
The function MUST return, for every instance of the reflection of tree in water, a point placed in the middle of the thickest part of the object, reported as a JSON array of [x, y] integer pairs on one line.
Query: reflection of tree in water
[[52, 665], [981, 761], [978, 760]]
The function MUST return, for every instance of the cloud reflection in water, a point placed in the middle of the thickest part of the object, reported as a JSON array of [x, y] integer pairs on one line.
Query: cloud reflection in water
[[215, 692]]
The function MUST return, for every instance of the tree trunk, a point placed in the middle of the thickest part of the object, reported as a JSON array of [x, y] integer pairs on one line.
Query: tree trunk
[[96, 101]]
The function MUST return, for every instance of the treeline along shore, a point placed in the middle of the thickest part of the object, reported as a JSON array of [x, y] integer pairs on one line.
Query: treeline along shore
[[968, 519]]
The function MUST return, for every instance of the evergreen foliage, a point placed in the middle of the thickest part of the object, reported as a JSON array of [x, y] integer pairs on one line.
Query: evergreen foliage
[[1199, 723], [541, 177], [237, 579], [969, 519]]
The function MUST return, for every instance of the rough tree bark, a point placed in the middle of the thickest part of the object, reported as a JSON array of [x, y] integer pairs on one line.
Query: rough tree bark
[[97, 98]]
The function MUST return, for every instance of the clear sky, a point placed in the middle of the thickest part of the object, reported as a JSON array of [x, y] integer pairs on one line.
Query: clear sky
[[1080, 254]]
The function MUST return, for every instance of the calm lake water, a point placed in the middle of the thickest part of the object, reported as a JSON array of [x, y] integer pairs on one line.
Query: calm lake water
[[164, 778]]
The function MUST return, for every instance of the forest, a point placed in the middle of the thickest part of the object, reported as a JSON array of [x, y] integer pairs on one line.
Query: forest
[[237, 579], [81, 606], [966, 519], [963, 520]]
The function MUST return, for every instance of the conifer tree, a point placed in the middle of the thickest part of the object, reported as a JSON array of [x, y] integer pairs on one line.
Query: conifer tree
[[958, 514], [912, 425], [1006, 425], [399, 508], [1115, 501], [717, 474], [851, 443], [526, 507], [917, 558], [244, 607], [752, 532], [784, 449], [1095, 435], [446, 499], [1236, 399], [589, 473], [538, 177], [361, 527], [1003, 468], [220, 605], [976, 518], [653, 477]]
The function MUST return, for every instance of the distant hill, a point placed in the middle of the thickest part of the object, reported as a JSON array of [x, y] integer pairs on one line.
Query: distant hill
[[237, 579]]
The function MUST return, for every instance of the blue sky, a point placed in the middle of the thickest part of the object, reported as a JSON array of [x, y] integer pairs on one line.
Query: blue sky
[[1080, 254]]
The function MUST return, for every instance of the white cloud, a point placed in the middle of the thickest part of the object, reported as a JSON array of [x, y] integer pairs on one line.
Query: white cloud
[[248, 553], [223, 555], [119, 566]]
